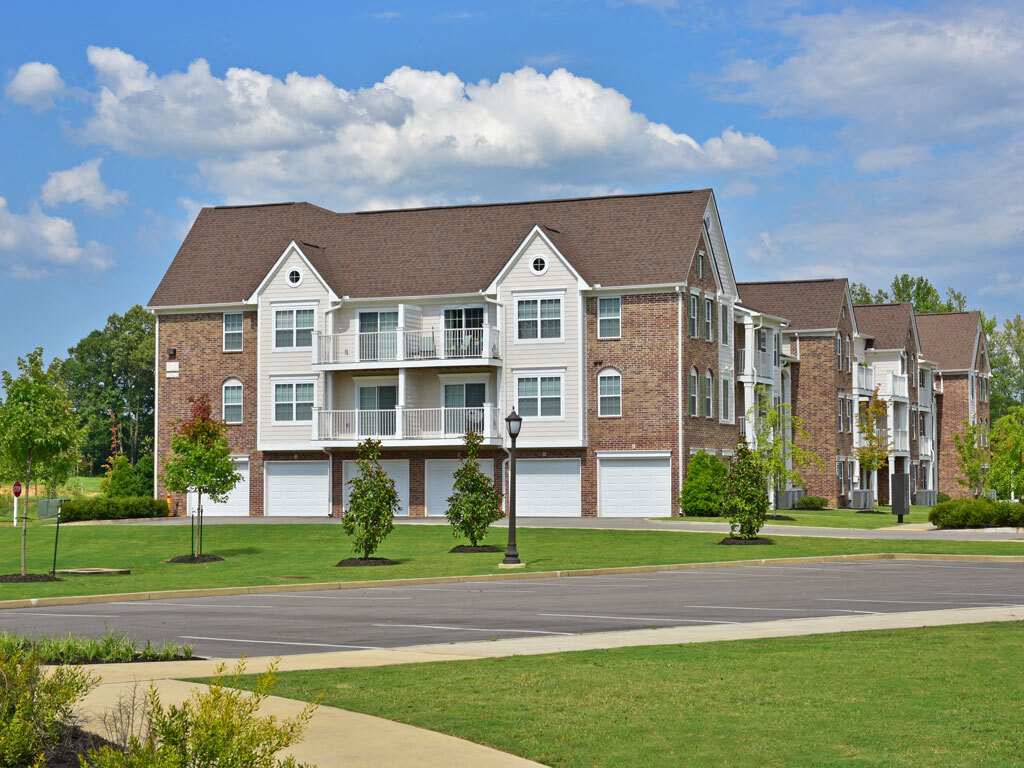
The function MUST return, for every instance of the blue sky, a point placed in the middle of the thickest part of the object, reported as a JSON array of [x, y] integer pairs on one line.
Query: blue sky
[[841, 140]]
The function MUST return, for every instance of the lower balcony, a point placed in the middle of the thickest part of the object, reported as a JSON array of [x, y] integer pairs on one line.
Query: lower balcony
[[406, 426]]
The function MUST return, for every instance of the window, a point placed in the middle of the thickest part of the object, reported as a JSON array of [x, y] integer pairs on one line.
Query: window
[[839, 352], [378, 335], [762, 340], [693, 316], [538, 265], [707, 393], [293, 328], [725, 401], [849, 416], [377, 415], [539, 396], [609, 318], [609, 393], [725, 323], [693, 392], [777, 347], [232, 331], [293, 402], [842, 415], [464, 407], [840, 476], [709, 319], [538, 319], [849, 361], [700, 265], [294, 278], [231, 401]]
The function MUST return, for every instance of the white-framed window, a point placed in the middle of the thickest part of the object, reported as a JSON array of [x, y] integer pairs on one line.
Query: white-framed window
[[849, 418], [839, 352], [762, 340], [231, 401], [294, 278], [609, 317], [539, 318], [842, 414], [725, 323], [293, 327], [539, 395], [709, 319], [708, 393], [538, 265], [232, 332], [725, 401], [777, 348], [849, 356], [694, 304], [293, 402], [609, 393], [840, 476], [694, 397], [700, 265]]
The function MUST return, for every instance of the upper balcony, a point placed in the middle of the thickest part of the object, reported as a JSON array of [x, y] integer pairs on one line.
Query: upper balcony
[[901, 439], [762, 361], [925, 446], [894, 385], [406, 426], [428, 347], [864, 380]]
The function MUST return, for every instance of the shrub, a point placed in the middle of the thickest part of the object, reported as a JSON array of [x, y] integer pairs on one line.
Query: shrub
[[941, 497], [124, 480], [70, 649], [216, 726], [977, 513], [746, 497], [373, 502], [35, 707], [474, 503], [811, 502], [702, 492], [104, 508]]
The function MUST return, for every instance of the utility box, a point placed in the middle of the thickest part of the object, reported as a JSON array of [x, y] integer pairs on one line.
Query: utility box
[[862, 498], [48, 508], [901, 495], [788, 498], [926, 498]]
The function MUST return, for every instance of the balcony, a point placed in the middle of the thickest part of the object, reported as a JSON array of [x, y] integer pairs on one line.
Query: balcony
[[894, 385], [864, 379], [425, 347], [406, 425], [901, 439], [763, 367], [925, 447]]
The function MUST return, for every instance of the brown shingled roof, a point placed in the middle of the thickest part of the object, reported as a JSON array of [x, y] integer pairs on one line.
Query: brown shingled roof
[[616, 240], [949, 338], [887, 323], [807, 304]]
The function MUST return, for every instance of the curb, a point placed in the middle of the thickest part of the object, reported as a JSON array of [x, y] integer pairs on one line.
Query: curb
[[40, 602]]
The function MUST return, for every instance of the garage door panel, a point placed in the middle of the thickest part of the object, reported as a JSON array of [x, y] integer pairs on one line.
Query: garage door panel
[[635, 487], [298, 488], [237, 503], [396, 469], [440, 474], [548, 488]]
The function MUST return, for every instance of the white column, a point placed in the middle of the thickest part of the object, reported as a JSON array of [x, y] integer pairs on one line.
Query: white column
[[748, 401], [316, 347], [316, 422], [751, 346], [488, 420], [874, 485], [486, 350]]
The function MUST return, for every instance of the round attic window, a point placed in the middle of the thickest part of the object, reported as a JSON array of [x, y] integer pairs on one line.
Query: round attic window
[[539, 265], [294, 278]]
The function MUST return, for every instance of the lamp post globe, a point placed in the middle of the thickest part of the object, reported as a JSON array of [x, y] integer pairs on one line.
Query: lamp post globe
[[513, 423]]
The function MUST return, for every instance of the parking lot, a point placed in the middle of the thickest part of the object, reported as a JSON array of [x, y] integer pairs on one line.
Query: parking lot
[[389, 617]]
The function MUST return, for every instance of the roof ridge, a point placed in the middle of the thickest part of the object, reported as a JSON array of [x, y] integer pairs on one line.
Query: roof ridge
[[933, 314], [792, 282], [256, 205]]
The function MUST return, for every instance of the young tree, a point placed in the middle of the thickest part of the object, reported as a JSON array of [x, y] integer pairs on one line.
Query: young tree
[[200, 460], [1007, 473], [372, 502], [745, 505], [58, 470], [702, 492], [876, 447], [971, 459], [474, 503], [37, 422], [775, 433]]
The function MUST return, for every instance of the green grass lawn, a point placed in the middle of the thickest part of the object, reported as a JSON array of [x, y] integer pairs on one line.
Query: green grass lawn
[[276, 554], [833, 518], [949, 697]]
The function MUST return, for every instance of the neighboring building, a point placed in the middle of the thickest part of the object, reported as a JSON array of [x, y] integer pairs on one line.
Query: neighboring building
[[608, 323], [956, 342]]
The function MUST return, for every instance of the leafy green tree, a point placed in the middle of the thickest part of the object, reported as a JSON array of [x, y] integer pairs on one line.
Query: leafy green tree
[[1006, 359], [776, 432], [372, 502], [200, 460], [971, 459], [746, 501], [37, 422], [55, 472], [474, 503], [701, 495], [125, 481], [876, 446], [110, 375], [917, 290], [1007, 472], [862, 294]]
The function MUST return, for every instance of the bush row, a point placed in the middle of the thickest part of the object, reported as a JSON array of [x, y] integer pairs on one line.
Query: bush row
[[811, 502], [103, 508], [977, 513]]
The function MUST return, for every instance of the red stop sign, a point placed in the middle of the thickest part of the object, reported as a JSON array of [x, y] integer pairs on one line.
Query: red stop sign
[[17, 488]]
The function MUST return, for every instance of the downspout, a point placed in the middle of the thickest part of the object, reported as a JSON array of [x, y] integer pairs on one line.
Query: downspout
[[679, 377]]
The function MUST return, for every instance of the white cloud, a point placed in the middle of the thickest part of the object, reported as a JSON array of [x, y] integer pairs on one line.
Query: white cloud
[[416, 135], [891, 158], [35, 84], [32, 241], [82, 184]]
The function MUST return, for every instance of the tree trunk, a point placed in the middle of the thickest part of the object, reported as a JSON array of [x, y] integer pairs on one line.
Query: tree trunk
[[24, 520]]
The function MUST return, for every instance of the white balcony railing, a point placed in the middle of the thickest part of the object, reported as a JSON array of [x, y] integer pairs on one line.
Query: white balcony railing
[[864, 378], [925, 447], [898, 385], [742, 421], [406, 423], [763, 365], [401, 345], [901, 440]]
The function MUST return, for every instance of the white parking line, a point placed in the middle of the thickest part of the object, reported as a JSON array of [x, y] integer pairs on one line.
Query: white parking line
[[276, 642], [635, 618], [911, 602], [996, 567], [63, 615], [161, 604], [979, 594], [338, 597], [788, 610], [476, 629]]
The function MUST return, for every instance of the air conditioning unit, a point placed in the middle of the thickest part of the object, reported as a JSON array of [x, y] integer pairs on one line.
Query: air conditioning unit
[[862, 498]]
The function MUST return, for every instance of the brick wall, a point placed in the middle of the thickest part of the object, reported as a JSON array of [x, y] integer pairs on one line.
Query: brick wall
[[953, 412]]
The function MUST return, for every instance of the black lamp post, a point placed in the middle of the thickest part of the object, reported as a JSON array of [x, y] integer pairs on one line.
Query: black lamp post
[[513, 421]]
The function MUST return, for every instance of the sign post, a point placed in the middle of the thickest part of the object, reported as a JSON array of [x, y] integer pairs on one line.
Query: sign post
[[17, 493]]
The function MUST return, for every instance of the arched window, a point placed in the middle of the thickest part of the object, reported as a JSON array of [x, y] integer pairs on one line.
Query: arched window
[[694, 398], [232, 401], [708, 394], [609, 393]]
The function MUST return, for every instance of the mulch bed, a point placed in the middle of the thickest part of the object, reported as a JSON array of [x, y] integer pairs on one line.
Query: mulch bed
[[872, 512], [735, 540], [778, 517], [196, 559], [478, 548], [77, 742], [17, 578], [353, 561]]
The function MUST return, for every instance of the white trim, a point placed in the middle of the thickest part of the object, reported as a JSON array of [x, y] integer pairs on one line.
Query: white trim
[[633, 454], [538, 375], [156, 408], [536, 230], [200, 309], [539, 297], [293, 248], [273, 402], [293, 307], [455, 379], [581, 381], [288, 277], [617, 317], [543, 270], [233, 381], [609, 371], [224, 332]]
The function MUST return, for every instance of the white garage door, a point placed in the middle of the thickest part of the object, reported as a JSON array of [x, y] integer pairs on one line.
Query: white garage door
[[441, 479], [298, 489], [635, 487], [397, 469], [237, 504], [548, 488]]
